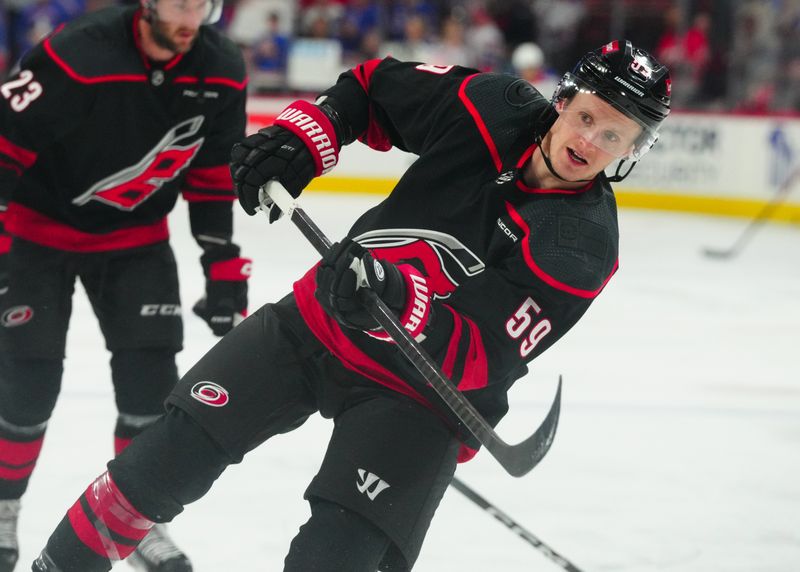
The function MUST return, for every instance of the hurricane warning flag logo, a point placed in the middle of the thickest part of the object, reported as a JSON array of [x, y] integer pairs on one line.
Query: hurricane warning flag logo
[[210, 393], [130, 187]]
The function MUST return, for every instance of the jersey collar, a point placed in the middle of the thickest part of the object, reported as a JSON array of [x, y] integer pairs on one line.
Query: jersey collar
[[137, 39]]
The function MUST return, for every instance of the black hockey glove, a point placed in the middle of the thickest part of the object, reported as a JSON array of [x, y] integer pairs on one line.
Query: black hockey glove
[[301, 145], [5, 247], [347, 267], [225, 302]]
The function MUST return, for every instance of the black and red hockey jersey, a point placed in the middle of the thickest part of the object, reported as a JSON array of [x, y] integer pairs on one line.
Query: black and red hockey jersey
[[96, 141], [511, 268]]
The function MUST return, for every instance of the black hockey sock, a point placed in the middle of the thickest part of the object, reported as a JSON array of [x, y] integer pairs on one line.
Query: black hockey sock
[[336, 540], [129, 426], [101, 528]]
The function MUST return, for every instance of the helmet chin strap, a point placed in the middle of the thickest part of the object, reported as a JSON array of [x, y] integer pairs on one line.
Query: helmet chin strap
[[549, 165], [149, 11], [615, 178]]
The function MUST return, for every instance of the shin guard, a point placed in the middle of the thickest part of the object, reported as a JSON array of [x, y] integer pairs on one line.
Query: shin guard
[[100, 529]]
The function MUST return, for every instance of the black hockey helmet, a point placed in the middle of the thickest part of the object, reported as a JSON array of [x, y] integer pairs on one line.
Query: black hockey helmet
[[212, 9], [628, 78]]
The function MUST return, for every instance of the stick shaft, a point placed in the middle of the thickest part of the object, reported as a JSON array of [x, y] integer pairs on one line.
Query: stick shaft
[[513, 525]]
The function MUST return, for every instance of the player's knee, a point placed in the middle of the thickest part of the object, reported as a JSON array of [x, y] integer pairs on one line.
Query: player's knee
[[142, 379], [336, 539], [29, 389], [171, 464]]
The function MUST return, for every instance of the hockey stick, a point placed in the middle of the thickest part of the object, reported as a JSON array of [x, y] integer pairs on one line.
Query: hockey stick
[[761, 217], [523, 533], [517, 459]]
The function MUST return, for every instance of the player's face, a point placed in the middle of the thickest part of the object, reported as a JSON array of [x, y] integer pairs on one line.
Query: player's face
[[588, 136], [177, 23]]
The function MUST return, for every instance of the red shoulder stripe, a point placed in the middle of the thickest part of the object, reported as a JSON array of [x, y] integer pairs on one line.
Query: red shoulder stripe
[[89, 80], [462, 94]]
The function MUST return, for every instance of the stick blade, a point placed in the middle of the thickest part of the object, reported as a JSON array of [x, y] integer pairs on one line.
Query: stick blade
[[719, 254], [518, 460]]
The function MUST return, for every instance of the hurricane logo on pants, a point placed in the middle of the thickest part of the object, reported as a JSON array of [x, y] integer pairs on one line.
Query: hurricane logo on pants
[[210, 393], [16, 316]]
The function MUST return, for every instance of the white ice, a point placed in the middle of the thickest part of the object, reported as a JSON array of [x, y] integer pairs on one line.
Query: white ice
[[678, 447]]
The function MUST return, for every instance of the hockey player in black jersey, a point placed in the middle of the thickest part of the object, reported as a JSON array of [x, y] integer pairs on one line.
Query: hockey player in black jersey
[[491, 247], [108, 120]]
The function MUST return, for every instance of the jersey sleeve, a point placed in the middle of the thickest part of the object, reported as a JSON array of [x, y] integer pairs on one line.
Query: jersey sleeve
[[484, 334], [408, 105], [38, 105]]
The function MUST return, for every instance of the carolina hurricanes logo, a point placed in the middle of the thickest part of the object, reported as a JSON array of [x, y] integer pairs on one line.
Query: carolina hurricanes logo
[[210, 393], [610, 47], [444, 259], [16, 316], [642, 68], [129, 188]]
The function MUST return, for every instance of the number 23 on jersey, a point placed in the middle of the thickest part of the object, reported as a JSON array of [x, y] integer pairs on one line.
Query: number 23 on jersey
[[20, 92]]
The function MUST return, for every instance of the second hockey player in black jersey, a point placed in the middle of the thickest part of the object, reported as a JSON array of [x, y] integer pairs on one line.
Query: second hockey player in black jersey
[[491, 247], [107, 123]]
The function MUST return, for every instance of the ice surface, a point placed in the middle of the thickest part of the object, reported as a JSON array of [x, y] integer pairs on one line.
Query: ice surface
[[679, 442]]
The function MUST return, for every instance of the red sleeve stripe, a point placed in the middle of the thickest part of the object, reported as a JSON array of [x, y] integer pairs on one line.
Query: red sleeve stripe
[[541, 274], [449, 362], [5, 243], [375, 137], [19, 154], [217, 178], [89, 80], [203, 197], [363, 72], [476, 366], [462, 94], [231, 270]]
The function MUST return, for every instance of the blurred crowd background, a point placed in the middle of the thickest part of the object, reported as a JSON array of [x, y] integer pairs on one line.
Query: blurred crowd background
[[726, 55]]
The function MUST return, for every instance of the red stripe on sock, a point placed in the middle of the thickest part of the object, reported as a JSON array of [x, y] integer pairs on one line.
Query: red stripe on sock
[[120, 443], [9, 474], [92, 538], [17, 453]]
